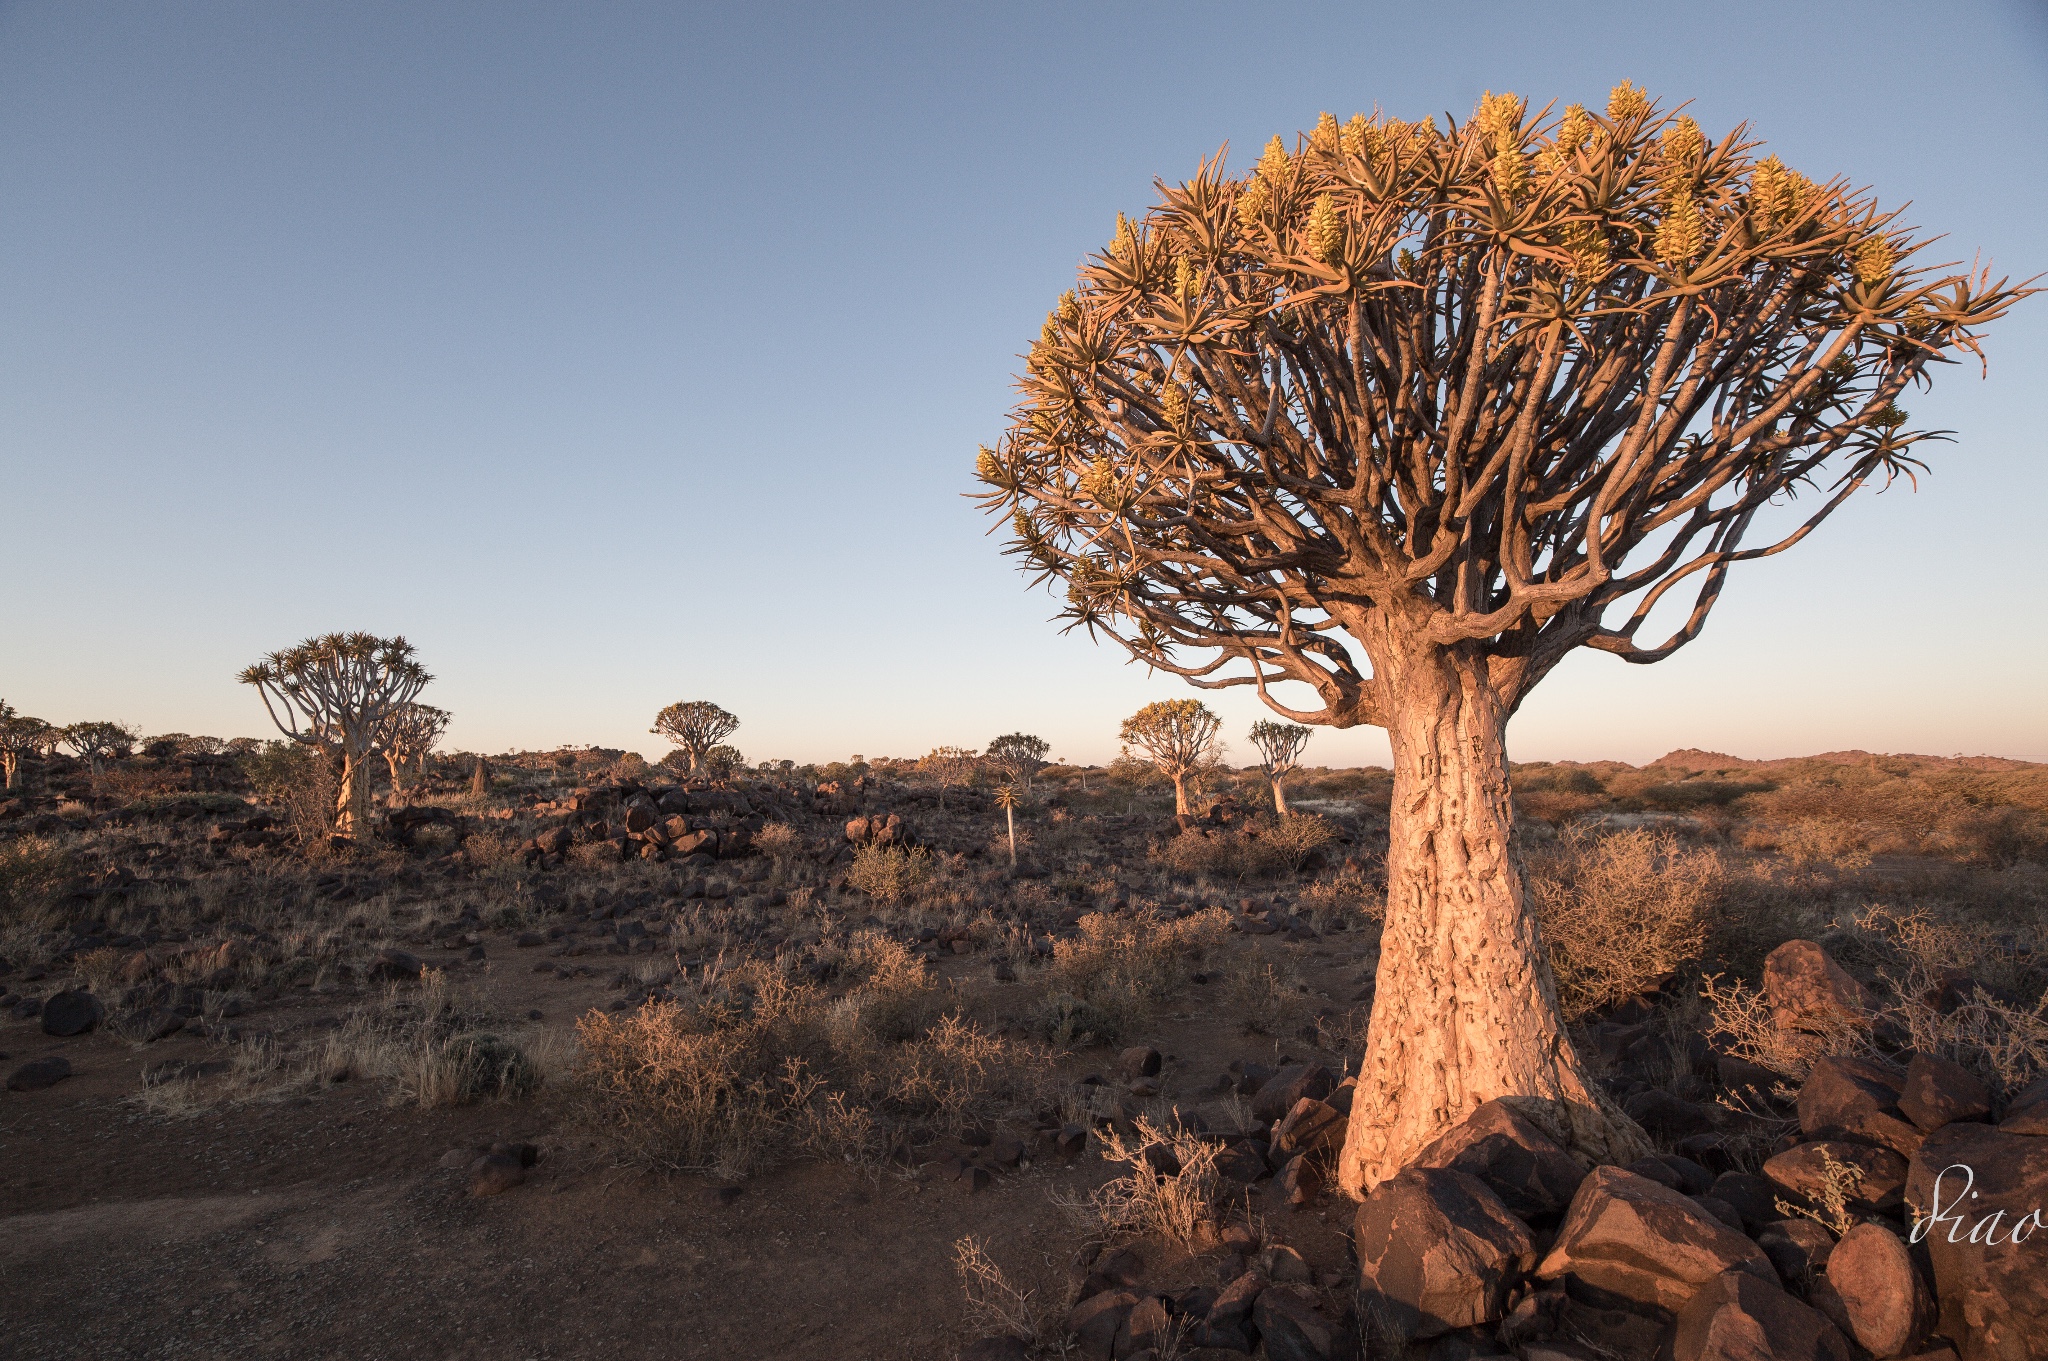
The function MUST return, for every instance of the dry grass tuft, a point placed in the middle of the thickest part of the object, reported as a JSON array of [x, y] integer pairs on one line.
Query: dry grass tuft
[[1621, 913], [1172, 1189]]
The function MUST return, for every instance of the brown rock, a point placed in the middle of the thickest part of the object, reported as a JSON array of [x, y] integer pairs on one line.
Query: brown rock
[[1807, 990], [1802, 1171], [1886, 1306], [1798, 1248], [70, 1013], [2027, 1111], [1295, 1327], [1139, 1061], [1738, 1317], [1289, 1085], [1531, 1174], [1970, 1179], [37, 1074], [1311, 1127], [1632, 1243], [495, 1173], [1860, 1098], [1437, 1250], [1938, 1093], [1144, 1328], [1096, 1321]]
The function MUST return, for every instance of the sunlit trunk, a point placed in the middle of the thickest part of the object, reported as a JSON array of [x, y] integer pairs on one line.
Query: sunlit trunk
[[1279, 797], [12, 763], [397, 771], [1180, 793], [1465, 1008]]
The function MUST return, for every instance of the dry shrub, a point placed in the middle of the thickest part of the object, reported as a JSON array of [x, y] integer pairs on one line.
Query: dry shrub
[[1622, 912], [1118, 970], [1825, 841], [778, 841], [2002, 1040], [1743, 1024], [889, 874], [592, 855], [1268, 1000], [1347, 900], [32, 869], [1557, 805], [1296, 837], [301, 781], [995, 1305], [751, 1065], [1171, 1190], [74, 810], [1258, 846]]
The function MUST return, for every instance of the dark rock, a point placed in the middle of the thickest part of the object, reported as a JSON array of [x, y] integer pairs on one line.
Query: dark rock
[[1857, 1097], [1885, 1305], [1522, 1165], [1754, 1198], [1635, 1244], [1798, 1249], [996, 1349], [1241, 1161], [26, 1008], [1295, 1327], [1140, 1061], [1438, 1250], [1739, 1317], [495, 1173], [70, 1013], [1751, 1083], [1300, 1181], [37, 1074], [1145, 1328], [147, 1025], [1661, 1113], [1938, 1093], [1096, 1321], [1233, 1306], [1807, 990], [1976, 1181], [1289, 1085], [1282, 1265], [395, 964], [1723, 1211], [1802, 1172]]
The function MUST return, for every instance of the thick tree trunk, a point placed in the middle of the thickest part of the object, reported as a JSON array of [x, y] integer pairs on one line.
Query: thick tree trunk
[[1180, 793], [1466, 1008], [397, 773], [12, 762], [352, 801], [1279, 797]]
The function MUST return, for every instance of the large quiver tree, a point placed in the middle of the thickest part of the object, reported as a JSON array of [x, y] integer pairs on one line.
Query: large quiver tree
[[339, 694], [1408, 414], [695, 726], [1180, 737]]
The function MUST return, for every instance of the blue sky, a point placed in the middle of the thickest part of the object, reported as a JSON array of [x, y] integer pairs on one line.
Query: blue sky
[[616, 354]]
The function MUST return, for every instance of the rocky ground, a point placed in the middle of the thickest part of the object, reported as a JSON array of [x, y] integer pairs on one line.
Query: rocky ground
[[238, 1122]]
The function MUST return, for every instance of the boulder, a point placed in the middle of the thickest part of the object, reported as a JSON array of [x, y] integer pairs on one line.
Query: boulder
[[1661, 1113], [395, 964], [2027, 1111], [1938, 1092], [1096, 1321], [1437, 1250], [1885, 1305], [1859, 1098], [147, 1025], [495, 1173], [1139, 1061], [1295, 1327], [1233, 1306], [1803, 1171], [1521, 1164], [1807, 990], [1145, 1328], [1976, 1182], [554, 841], [1798, 1248], [1630, 1243], [1737, 1317], [1754, 1198], [70, 1013], [1289, 1085], [37, 1074], [1311, 1127], [1750, 1083]]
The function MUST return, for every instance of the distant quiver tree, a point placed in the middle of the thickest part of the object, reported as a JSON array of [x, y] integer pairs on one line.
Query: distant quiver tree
[[949, 768], [20, 736], [338, 694], [93, 743], [1180, 737], [1279, 746], [408, 736], [1019, 755], [695, 726], [1404, 416]]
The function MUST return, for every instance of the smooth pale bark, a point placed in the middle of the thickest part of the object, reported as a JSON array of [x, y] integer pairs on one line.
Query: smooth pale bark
[[1279, 797], [397, 772], [1466, 1008], [352, 802], [12, 764], [1180, 793]]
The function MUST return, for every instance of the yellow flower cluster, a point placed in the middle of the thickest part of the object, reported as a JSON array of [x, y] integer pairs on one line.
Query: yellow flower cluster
[[1500, 120], [1589, 251], [1325, 230], [1776, 194], [1875, 258], [1258, 190], [1625, 101], [1682, 231]]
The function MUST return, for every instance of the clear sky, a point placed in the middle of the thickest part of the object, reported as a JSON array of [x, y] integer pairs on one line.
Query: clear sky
[[616, 354]]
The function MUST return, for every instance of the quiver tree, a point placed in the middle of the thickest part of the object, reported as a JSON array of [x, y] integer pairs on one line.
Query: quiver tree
[[695, 726], [949, 768], [93, 743], [339, 694], [1279, 746], [408, 736], [1410, 412], [1180, 737], [1019, 755], [20, 736]]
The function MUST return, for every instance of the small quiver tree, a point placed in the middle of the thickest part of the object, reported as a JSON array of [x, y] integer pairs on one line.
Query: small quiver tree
[[1279, 746], [21, 736], [338, 694], [1180, 737], [93, 743], [1019, 755], [1409, 413], [410, 734], [949, 768], [695, 726]]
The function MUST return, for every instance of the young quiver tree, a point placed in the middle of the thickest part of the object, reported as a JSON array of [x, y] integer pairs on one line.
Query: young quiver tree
[[1019, 755], [93, 743], [1408, 414], [408, 737], [949, 768], [1279, 746], [1180, 737], [339, 694], [20, 736], [695, 726]]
